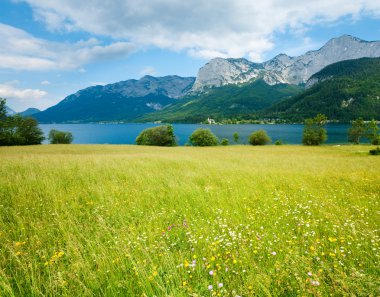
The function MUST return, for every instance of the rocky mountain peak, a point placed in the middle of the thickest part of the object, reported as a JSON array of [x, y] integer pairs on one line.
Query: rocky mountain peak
[[283, 68]]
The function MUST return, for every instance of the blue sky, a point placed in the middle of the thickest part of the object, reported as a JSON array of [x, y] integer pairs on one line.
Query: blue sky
[[51, 49]]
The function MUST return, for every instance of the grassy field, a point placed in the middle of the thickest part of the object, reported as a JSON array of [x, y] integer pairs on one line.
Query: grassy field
[[225, 221]]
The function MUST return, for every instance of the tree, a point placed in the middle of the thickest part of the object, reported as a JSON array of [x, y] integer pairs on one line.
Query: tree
[[159, 136], [203, 137], [3, 111], [60, 137], [17, 130], [236, 137], [314, 132], [27, 131], [259, 137], [373, 132], [357, 130]]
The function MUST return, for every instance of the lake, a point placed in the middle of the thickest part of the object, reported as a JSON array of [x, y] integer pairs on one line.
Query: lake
[[127, 133]]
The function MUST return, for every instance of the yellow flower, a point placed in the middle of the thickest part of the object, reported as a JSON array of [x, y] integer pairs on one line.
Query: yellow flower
[[332, 239], [155, 273], [184, 283]]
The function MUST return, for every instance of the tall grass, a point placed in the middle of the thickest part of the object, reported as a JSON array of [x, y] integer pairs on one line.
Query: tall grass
[[224, 221]]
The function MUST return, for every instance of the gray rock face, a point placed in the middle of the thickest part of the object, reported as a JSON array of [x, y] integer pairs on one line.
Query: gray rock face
[[171, 86], [282, 68], [219, 72]]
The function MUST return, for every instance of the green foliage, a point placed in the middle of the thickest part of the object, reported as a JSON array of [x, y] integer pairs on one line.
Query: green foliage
[[278, 142], [60, 137], [158, 136], [314, 132], [3, 111], [17, 130], [203, 137], [224, 141], [347, 90], [375, 152], [357, 131], [236, 102], [372, 132], [236, 137], [259, 137]]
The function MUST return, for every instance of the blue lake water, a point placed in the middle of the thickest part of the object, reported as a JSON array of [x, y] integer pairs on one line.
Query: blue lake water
[[127, 133]]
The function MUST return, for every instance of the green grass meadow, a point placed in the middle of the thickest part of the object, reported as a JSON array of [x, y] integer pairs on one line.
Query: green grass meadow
[[103, 220]]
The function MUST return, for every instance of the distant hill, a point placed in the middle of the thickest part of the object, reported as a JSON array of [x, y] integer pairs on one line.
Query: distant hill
[[9, 110], [122, 101], [29, 112], [230, 101], [343, 91]]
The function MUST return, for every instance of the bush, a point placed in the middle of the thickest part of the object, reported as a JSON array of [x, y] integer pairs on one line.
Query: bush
[[278, 142], [314, 132], [60, 137], [375, 151], [158, 136], [259, 137], [203, 137], [224, 141]]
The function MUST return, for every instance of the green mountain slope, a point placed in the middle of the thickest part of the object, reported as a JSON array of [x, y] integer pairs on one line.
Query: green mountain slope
[[343, 91], [230, 101], [121, 101]]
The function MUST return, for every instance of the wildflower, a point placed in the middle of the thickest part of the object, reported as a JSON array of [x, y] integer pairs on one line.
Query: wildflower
[[184, 283], [210, 287], [211, 272], [155, 273], [315, 283], [220, 285], [19, 243], [309, 273], [273, 253]]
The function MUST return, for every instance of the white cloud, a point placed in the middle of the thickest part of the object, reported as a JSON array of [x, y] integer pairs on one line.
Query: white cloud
[[45, 82], [21, 51], [148, 71], [203, 28], [11, 92]]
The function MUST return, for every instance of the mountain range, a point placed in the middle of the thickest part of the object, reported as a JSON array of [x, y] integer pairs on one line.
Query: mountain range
[[223, 88]]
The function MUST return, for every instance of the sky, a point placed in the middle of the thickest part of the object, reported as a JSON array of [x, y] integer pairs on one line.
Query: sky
[[51, 49]]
